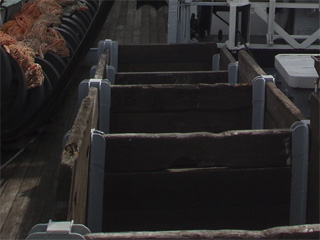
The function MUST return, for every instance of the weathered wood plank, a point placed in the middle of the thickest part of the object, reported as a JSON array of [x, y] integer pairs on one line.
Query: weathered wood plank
[[187, 121], [153, 25], [145, 24], [269, 123], [12, 224], [177, 97], [285, 232], [121, 25], [313, 213], [137, 27], [8, 203], [112, 22], [129, 24], [248, 68], [41, 205], [225, 58], [158, 57], [209, 77], [101, 67], [205, 191], [276, 101], [73, 174], [162, 24], [167, 53], [240, 149], [165, 67], [221, 217], [35, 199], [108, 29], [193, 188], [26, 206], [281, 111], [26, 193]]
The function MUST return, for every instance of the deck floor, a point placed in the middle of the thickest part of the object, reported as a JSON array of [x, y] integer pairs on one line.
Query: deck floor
[[28, 184]]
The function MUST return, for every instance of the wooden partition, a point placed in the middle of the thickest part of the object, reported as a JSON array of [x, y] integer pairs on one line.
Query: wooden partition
[[248, 68], [225, 58], [280, 112], [197, 181], [236, 149], [179, 77], [166, 57], [182, 77], [73, 171], [180, 108]]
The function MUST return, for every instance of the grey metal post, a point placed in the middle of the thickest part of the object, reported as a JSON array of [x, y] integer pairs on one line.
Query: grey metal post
[[113, 51], [104, 88], [183, 31], [93, 70], [258, 100], [114, 55], [216, 62], [172, 21], [233, 73], [299, 180], [258, 96], [110, 70], [111, 74], [58, 230], [271, 16], [232, 25], [83, 90], [96, 181]]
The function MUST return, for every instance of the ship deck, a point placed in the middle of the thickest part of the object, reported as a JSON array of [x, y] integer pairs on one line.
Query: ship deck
[[28, 182]]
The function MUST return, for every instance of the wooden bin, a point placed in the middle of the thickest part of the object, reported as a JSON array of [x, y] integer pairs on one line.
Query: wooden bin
[[180, 108], [189, 181]]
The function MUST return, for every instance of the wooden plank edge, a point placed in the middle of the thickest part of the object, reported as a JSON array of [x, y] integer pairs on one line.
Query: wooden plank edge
[[248, 68], [86, 119], [226, 58], [284, 232], [198, 150], [101, 67], [178, 97], [127, 78], [277, 102]]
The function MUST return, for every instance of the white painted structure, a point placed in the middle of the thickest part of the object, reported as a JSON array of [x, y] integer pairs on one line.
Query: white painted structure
[[263, 19], [297, 70]]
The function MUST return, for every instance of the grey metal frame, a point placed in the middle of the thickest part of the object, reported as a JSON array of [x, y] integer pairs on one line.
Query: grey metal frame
[[104, 90], [258, 100], [179, 26], [96, 181], [58, 230], [94, 53], [299, 181]]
